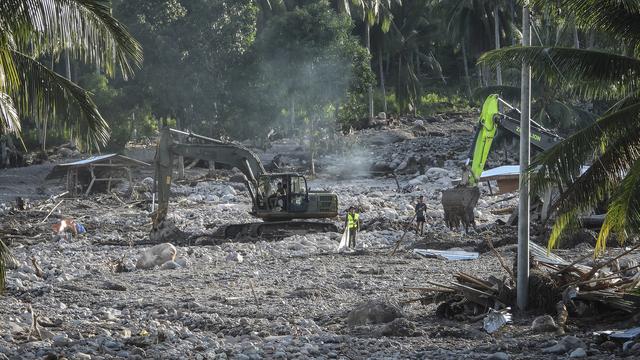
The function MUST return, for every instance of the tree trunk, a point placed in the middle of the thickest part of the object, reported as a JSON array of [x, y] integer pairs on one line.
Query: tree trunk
[[576, 38], [293, 117], [591, 40], [465, 61], [382, 89], [368, 43], [497, 40], [67, 65]]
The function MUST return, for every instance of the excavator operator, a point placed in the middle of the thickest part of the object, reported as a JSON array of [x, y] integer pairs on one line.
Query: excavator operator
[[278, 199]]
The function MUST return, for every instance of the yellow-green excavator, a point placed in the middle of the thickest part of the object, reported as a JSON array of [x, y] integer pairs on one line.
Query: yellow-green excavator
[[459, 202]]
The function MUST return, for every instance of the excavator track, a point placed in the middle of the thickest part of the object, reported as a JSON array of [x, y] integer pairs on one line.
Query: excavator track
[[251, 232]]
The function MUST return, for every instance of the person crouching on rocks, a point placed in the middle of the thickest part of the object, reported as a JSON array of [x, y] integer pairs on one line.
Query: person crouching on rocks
[[352, 222]]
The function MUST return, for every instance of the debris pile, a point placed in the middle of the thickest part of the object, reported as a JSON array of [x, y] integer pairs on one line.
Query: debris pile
[[556, 285]]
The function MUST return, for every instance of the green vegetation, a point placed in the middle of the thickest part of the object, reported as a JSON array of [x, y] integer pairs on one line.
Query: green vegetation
[[610, 144]]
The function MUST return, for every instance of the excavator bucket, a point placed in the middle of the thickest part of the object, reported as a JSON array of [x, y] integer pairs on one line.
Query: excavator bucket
[[458, 204]]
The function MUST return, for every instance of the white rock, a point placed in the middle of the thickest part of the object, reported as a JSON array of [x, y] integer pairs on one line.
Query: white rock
[[170, 265], [435, 173], [227, 198], [157, 256], [195, 197], [229, 190], [498, 356], [578, 353], [183, 262], [148, 181], [60, 340], [81, 356], [234, 256]]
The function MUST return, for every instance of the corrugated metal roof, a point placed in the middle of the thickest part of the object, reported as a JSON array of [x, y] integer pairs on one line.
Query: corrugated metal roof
[[101, 158], [61, 169], [509, 171], [89, 160]]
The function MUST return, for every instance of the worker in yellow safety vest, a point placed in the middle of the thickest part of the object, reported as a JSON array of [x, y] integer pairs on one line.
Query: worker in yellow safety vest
[[353, 224]]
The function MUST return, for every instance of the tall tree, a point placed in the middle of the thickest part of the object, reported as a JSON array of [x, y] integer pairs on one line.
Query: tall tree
[[373, 12], [32, 28]]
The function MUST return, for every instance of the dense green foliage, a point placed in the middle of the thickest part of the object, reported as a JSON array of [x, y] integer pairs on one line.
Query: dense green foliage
[[31, 29], [610, 145]]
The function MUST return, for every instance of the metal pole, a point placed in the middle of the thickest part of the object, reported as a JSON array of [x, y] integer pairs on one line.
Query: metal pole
[[523, 208]]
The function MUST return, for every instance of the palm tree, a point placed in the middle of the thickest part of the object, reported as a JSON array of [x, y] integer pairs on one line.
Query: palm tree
[[612, 143], [374, 12], [86, 30]]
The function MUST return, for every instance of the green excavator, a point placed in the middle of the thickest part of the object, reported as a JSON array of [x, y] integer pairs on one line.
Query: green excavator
[[279, 199], [459, 202]]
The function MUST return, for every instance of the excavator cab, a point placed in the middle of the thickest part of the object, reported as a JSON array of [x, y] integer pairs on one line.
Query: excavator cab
[[282, 192]]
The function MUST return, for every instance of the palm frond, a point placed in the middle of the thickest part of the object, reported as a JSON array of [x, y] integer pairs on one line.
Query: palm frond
[[620, 18], [623, 213], [585, 73], [9, 120], [561, 164], [564, 223], [5, 256], [85, 27], [43, 93]]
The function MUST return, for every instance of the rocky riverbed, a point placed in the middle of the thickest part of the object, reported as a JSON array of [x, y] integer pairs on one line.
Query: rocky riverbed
[[293, 298]]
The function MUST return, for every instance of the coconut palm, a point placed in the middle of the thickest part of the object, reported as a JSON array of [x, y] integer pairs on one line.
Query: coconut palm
[[30, 29], [612, 143], [374, 12], [86, 30]]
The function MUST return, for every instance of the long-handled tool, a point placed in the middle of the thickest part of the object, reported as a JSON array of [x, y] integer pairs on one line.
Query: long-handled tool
[[395, 248]]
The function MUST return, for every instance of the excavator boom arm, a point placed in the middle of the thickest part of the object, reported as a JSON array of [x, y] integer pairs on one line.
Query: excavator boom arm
[[490, 120], [225, 153]]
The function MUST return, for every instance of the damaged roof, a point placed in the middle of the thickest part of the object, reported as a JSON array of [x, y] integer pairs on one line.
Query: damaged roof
[[116, 159]]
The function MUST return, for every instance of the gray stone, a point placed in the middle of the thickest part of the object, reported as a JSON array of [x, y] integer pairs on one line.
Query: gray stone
[[399, 327], [559, 348], [81, 356], [572, 342], [182, 262], [627, 345], [544, 323], [170, 265], [373, 312], [157, 256], [578, 353], [498, 356], [234, 256], [60, 340]]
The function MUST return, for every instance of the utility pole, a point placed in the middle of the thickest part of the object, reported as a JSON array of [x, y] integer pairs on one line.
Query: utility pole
[[523, 207]]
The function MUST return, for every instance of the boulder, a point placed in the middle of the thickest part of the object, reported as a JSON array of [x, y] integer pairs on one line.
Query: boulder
[[373, 312], [544, 323], [156, 256], [235, 257]]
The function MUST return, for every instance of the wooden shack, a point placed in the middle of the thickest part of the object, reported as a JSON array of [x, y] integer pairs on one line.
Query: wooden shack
[[82, 175]]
